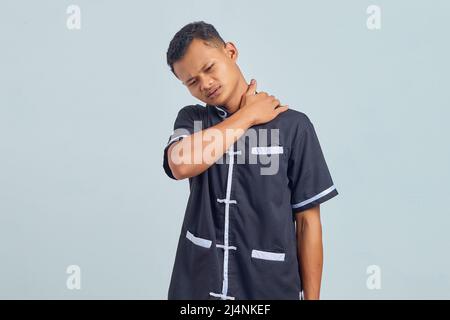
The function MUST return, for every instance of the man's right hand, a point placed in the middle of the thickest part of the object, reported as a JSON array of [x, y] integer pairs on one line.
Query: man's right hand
[[260, 107]]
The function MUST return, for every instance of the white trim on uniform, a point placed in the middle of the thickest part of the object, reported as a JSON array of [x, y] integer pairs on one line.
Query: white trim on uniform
[[266, 255], [267, 150], [317, 196], [227, 201], [177, 137], [221, 296], [223, 113], [198, 241]]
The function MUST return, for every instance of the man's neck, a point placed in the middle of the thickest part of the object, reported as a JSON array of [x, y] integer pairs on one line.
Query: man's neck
[[235, 101]]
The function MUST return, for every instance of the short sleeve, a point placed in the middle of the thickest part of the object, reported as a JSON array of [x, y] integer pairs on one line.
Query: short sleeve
[[184, 126], [309, 178]]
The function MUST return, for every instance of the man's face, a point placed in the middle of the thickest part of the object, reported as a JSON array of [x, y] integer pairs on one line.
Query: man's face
[[210, 74]]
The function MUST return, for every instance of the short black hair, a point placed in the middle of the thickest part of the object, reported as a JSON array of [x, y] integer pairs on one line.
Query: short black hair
[[183, 38]]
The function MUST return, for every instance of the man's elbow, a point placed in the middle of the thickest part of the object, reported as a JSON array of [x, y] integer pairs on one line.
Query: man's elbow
[[179, 171], [182, 169], [309, 218]]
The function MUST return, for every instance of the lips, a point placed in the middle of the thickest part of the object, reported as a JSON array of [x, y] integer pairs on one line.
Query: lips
[[213, 91]]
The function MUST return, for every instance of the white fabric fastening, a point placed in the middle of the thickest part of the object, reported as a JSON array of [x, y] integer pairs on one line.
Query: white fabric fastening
[[223, 297], [227, 201], [227, 248]]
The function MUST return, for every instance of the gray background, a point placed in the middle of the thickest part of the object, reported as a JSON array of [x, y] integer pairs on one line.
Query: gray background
[[85, 115]]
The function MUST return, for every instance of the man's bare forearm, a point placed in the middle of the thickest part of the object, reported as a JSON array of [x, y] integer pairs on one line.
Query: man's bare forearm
[[191, 156], [196, 153], [310, 251]]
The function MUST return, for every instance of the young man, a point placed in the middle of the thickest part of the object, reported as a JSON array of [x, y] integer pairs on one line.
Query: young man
[[257, 176]]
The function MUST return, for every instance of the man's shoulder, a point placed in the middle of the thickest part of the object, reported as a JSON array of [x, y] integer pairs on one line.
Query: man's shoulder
[[292, 118], [192, 109]]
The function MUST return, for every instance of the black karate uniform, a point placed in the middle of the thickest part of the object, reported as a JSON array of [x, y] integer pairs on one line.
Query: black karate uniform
[[238, 237]]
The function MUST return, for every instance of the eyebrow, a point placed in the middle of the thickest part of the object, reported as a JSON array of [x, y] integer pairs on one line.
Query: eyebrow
[[204, 66]]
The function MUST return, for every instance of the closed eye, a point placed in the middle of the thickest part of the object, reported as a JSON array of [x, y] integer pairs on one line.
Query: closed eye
[[207, 69]]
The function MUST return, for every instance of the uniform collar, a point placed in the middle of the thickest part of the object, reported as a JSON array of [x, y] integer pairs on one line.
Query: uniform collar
[[220, 110]]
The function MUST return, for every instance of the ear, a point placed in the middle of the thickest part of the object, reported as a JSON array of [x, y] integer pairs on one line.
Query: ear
[[231, 51]]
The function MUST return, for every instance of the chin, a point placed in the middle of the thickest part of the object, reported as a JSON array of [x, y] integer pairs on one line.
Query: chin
[[222, 99]]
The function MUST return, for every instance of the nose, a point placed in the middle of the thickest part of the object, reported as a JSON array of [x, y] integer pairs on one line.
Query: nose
[[205, 85]]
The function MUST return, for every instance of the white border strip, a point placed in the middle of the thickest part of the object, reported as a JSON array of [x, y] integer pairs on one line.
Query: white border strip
[[267, 150], [198, 241], [320, 195], [177, 137], [221, 296], [266, 255], [231, 153], [223, 113]]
